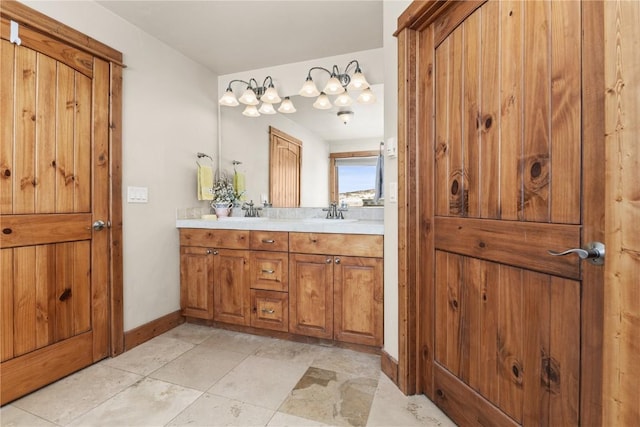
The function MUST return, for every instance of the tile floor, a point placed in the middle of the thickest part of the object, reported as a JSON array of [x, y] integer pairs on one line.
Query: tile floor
[[199, 376]]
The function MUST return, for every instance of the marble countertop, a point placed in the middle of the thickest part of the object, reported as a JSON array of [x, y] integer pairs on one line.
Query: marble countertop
[[313, 225]]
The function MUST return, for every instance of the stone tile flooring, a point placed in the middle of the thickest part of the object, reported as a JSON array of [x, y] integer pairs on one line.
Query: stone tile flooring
[[199, 376]]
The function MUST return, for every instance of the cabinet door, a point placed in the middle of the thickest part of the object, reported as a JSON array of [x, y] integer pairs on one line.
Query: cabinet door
[[358, 300], [231, 286], [196, 282], [311, 295]]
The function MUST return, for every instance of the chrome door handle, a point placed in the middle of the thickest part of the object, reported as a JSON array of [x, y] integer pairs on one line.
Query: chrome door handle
[[593, 252], [99, 225]]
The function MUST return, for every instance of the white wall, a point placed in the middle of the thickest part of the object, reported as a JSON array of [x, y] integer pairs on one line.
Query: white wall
[[365, 144], [391, 9], [247, 140], [169, 114]]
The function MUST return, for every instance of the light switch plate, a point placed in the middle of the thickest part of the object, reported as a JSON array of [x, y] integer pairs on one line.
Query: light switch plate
[[137, 195], [393, 192]]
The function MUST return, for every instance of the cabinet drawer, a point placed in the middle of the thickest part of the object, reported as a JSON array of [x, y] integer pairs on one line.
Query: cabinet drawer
[[229, 239], [270, 310], [367, 245], [269, 271], [270, 240]]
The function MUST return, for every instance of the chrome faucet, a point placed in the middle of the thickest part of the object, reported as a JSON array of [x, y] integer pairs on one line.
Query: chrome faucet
[[251, 211], [333, 212]]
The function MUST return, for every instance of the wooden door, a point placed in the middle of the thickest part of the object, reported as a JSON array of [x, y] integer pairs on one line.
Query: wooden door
[[500, 152], [231, 288], [54, 153], [196, 282], [358, 300], [311, 295], [285, 157]]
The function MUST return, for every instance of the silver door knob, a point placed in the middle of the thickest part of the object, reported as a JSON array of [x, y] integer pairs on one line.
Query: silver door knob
[[99, 225], [592, 251]]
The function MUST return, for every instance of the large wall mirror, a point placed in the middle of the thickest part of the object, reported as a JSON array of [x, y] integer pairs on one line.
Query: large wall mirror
[[322, 132]]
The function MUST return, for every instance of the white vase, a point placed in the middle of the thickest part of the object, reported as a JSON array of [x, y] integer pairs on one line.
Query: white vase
[[222, 209]]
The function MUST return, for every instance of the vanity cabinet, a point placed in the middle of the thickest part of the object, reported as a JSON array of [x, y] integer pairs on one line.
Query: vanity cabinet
[[323, 285], [336, 287], [269, 282], [214, 274]]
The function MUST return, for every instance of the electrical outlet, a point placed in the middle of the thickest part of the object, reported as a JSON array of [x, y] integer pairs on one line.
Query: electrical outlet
[[137, 194]]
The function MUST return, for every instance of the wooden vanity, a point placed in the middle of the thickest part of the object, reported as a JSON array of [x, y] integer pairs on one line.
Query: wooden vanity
[[287, 284]]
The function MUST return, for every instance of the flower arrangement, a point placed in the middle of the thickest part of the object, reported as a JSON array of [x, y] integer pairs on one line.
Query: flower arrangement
[[224, 191]]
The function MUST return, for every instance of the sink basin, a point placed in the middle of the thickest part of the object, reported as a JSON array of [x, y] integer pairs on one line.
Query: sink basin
[[242, 218], [327, 221]]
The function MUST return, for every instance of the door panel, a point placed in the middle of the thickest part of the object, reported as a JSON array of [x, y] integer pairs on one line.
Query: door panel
[[507, 178], [55, 184]]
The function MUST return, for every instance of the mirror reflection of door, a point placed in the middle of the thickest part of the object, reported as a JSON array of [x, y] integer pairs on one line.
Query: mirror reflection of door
[[285, 155]]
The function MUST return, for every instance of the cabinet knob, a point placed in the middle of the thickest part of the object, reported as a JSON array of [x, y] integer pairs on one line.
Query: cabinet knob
[[337, 260], [268, 241], [209, 251], [215, 252], [328, 260], [269, 311]]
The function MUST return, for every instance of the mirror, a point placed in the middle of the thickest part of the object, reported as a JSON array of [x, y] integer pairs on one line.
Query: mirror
[[246, 140]]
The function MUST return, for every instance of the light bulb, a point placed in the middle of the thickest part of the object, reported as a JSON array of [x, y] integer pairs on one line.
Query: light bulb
[[267, 108], [287, 106], [228, 99], [251, 111], [358, 81], [309, 89], [322, 102], [249, 97], [367, 97], [344, 100], [333, 86], [271, 96]]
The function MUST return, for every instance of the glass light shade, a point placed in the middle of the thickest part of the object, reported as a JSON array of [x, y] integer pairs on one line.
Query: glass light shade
[[367, 97], [358, 82], [249, 97], [345, 116], [333, 86], [228, 99], [309, 89], [271, 96], [251, 111], [267, 108], [287, 106], [322, 102], [344, 100]]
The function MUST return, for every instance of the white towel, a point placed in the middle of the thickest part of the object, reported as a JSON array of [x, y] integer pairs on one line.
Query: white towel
[[205, 182]]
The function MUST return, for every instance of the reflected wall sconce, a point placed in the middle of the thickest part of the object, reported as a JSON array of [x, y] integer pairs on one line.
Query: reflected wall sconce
[[254, 94], [340, 82]]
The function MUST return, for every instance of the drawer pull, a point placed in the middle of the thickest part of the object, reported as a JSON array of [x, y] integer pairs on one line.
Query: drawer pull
[[268, 271], [268, 241], [268, 310]]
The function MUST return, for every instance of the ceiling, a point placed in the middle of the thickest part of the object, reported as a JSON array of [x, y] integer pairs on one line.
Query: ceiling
[[236, 35], [229, 36]]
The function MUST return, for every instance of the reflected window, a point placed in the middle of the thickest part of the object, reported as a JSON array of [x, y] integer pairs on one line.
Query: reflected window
[[353, 178]]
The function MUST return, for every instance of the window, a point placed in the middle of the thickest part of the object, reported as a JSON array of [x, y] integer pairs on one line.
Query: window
[[353, 178]]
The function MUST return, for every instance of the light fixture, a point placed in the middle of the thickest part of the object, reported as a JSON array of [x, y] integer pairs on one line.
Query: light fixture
[[345, 116], [322, 102], [287, 106], [254, 94], [343, 100], [338, 84]]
